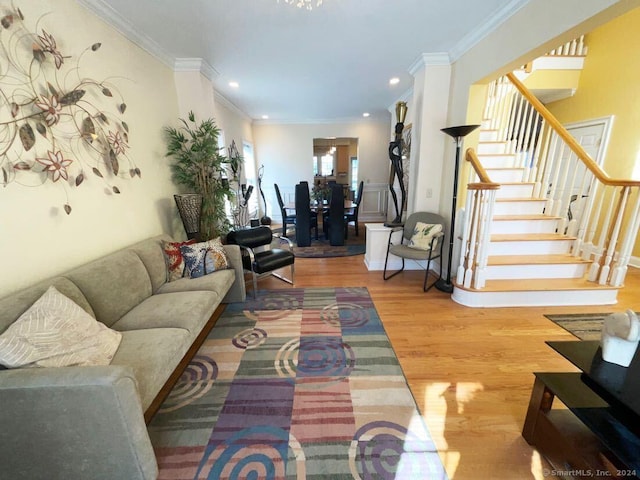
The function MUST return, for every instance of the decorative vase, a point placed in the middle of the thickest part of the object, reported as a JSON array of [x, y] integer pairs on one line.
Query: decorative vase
[[620, 337]]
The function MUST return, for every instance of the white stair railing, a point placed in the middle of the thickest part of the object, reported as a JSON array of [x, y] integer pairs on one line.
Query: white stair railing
[[587, 202], [481, 198]]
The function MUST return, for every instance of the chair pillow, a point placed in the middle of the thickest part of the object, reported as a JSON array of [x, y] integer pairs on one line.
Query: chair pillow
[[56, 332], [174, 259], [422, 235], [204, 258]]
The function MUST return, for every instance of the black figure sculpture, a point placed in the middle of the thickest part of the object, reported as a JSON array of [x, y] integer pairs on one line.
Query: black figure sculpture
[[265, 220], [395, 155]]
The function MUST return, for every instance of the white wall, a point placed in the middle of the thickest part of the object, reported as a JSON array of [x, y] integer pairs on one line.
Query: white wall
[[37, 238], [286, 150], [235, 124]]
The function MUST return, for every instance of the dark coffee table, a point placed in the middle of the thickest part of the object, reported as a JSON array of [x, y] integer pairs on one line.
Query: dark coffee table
[[598, 434]]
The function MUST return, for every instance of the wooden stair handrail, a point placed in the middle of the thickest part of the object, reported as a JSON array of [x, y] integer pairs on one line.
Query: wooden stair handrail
[[568, 138], [485, 182]]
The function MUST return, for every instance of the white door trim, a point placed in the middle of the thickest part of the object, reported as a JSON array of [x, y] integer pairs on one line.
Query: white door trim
[[607, 123]]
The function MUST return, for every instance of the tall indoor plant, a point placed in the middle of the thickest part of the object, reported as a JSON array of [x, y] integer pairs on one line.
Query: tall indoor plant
[[200, 167]]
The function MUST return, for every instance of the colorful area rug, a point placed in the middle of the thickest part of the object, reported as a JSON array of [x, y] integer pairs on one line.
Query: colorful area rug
[[585, 326], [322, 249], [297, 384]]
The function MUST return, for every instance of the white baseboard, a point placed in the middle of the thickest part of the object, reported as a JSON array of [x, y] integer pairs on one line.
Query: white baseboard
[[634, 262]]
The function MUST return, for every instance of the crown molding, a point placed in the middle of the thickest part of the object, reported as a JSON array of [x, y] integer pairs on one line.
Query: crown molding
[[407, 96], [121, 24], [374, 118], [196, 65], [429, 59], [225, 102], [474, 36]]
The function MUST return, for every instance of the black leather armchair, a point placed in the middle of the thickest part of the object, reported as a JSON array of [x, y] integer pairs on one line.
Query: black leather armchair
[[258, 257]]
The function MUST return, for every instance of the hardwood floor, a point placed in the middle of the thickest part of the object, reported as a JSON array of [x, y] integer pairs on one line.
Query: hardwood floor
[[470, 370]]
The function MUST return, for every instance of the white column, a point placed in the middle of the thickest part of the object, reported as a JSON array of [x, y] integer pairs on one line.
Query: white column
[[432, 78]]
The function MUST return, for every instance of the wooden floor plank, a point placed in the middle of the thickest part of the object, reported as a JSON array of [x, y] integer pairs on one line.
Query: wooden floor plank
[[470, 370]]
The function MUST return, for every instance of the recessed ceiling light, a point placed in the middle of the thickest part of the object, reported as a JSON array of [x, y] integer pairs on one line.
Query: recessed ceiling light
[[394, 81], [365, 114], [265, 117], [234, 84]]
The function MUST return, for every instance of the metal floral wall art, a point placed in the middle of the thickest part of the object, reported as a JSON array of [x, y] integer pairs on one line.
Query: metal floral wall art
[[55, 125]]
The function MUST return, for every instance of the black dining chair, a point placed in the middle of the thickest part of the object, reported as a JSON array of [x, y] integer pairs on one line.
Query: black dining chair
[[287, 219], [259, 258], [352, 215], [335, 220], [306, 220]]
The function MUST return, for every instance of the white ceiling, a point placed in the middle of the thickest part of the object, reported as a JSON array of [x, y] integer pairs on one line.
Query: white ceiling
[[329, 64]]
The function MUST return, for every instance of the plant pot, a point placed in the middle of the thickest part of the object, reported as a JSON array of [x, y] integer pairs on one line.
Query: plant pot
[[190, 209]]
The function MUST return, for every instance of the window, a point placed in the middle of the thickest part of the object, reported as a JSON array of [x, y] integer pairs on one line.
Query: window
[[250, 177], [354, 174], [326, 165]]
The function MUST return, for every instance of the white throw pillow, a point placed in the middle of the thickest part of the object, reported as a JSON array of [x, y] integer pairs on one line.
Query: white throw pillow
[[422, 235], [56, 332]]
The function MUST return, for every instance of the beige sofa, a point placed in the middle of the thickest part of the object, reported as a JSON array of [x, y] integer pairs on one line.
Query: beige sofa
[[89, 422]]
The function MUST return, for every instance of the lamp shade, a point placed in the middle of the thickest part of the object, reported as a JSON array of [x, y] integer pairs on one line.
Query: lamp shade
[[460, 130]]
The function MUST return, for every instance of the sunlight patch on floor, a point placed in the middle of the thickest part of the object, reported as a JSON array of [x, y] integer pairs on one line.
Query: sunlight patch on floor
[[443, 399], [536, 466]]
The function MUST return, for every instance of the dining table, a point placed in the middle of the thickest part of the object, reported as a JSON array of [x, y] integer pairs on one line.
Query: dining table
[[324, 206]]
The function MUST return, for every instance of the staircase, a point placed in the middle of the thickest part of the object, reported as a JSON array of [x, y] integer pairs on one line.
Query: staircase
[[527, 238]]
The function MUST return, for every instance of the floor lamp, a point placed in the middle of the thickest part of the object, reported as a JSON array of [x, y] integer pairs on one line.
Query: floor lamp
[[458, 133]]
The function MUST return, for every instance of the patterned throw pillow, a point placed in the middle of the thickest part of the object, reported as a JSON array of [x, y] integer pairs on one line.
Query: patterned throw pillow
[[173, 256], [204, 258], [422, 235], [56, 332]]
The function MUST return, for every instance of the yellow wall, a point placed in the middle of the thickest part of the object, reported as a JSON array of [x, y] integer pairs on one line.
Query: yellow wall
[[540, 79], [609, 85]]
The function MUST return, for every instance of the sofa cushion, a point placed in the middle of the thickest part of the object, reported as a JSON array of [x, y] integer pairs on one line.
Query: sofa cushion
[[150, 252], [218, 282], [153, 354], [188, 310], [55, 332], [14, 305], [204, 258], [113, 284], [174, 269]]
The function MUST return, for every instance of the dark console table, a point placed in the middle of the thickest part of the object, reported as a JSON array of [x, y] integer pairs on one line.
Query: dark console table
[[597, 435]]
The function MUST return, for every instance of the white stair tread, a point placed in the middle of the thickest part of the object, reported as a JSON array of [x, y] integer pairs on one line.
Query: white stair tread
[[500, 218], [495, 155], [553, 259], [520, 199], [528, 237], [541, 285]]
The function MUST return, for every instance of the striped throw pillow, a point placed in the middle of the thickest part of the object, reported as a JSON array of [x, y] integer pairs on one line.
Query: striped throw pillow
[[56, 332]]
